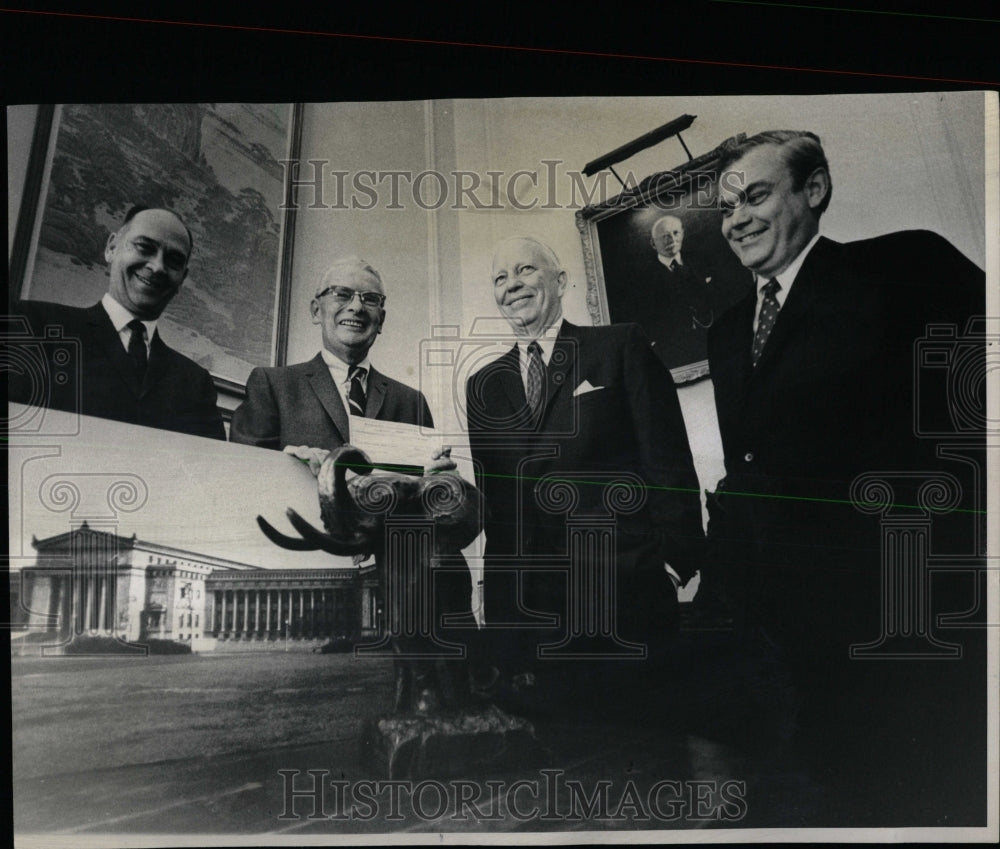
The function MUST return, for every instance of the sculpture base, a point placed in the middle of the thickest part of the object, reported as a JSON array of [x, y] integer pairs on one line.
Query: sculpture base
[[471, 742]]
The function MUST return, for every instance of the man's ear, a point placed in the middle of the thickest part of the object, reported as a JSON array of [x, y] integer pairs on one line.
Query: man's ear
[[563, 279], [817, 187], [110, 246], [381, 320], [314, 311]]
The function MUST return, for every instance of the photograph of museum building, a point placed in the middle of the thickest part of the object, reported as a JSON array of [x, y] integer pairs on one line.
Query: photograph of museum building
[[92, 582]]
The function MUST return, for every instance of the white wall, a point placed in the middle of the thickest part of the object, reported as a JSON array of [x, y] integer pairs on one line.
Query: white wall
[[898, 161]]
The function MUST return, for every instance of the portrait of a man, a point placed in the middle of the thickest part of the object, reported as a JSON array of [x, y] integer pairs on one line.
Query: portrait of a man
[[665, 270]]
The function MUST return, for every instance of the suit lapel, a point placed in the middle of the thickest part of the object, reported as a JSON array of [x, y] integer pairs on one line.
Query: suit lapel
[[731, 341], [377, 386], [322, 384], [103, 332], [808, 284], [507, 373], [562, 366]]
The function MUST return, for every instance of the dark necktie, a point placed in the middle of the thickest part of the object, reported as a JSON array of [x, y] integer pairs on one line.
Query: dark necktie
[[356, 394], [137, 347], [536, 377], [768, 315]]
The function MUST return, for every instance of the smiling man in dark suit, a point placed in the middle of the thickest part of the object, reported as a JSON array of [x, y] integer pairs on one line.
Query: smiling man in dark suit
[[578, 430], [814, 377], [126, 372]]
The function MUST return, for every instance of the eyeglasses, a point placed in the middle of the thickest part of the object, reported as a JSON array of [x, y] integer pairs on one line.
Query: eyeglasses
[[344, 295]]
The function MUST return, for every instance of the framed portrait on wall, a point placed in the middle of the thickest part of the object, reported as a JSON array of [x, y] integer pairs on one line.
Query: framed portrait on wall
[[655, 255], [220, 167]]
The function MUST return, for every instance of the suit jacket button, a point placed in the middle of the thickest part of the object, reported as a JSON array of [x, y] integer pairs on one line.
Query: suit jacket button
[[748, 456]]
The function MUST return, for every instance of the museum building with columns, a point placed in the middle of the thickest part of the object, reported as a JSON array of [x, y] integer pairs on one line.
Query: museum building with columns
[[89, 581]]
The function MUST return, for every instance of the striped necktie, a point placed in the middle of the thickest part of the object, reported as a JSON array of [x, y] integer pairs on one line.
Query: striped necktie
[[536, 377], [356, 394]]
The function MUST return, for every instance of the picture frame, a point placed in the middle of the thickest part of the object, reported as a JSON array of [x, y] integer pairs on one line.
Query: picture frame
[[627, 282], [221, 167]]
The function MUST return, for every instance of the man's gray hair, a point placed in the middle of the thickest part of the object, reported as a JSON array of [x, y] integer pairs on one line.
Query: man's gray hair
[[347, 262], [547, 252]]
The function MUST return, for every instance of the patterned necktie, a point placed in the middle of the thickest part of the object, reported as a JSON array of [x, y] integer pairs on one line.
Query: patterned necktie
[[536, 377], [356, 394], [768, 315], [137, 347]]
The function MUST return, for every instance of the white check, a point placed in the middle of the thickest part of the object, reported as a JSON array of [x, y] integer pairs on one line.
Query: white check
[[393, 443]]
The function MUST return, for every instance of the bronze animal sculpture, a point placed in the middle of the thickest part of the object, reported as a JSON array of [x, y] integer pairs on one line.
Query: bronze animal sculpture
[[416, 527]]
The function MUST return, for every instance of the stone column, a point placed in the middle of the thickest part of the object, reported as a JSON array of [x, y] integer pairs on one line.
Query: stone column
[[102, 618], [246, 614], [65, 606], [88, 615], [222, 615], [95, 502]]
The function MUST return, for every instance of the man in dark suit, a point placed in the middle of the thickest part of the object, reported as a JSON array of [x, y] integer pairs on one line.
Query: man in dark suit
[[677, 301], [126, 372], [305, 409], [577, 432], [814, 381], [673, 296]]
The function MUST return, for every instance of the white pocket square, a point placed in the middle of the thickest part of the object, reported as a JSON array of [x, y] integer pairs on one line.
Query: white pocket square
[[584, 388]]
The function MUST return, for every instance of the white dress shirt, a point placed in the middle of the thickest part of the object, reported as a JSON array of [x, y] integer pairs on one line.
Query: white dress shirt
[[547, 341], [785, 279], [340, 371], [120, 317], [669, 261]]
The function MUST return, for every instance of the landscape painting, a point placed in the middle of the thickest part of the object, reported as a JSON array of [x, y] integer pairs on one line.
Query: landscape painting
[[219, 166]]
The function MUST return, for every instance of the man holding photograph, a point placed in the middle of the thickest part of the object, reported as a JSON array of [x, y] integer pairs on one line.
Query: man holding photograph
[[306, 409]]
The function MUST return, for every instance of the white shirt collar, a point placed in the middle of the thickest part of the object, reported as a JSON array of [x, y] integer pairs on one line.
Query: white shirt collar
[[668, 261], [340, 370], [547, 341], [120, 317], [787, 277]]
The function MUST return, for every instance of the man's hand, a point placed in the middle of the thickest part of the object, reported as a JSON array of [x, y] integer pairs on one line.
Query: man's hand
[[313, 456], [441, 461]]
